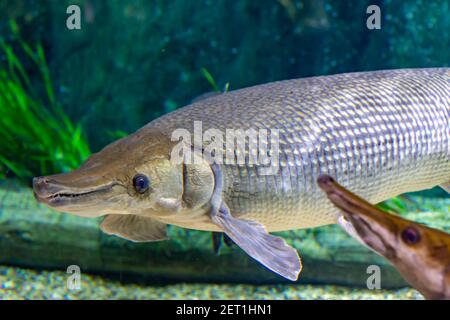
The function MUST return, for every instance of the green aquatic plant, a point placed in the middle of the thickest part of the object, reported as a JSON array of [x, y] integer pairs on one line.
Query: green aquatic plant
[[117, 134], [36, 136], [212, 82], [208, 76], [397, 204]]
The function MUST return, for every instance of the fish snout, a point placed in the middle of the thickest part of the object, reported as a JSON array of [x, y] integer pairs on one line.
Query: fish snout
[[65, 192], [44, 188], [326, 183], [47, 187]]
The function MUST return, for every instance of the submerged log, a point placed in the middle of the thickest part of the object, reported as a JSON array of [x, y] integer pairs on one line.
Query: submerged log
[[32, 235]]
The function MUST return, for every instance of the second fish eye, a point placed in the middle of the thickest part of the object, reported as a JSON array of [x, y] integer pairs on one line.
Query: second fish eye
[[141, 183], [410, 235]]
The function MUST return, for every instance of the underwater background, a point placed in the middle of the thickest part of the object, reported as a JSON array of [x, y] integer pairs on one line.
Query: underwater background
[[67, 93]]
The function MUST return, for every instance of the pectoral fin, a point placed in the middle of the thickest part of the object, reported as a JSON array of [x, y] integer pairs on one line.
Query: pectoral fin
[[273, 252], [134, 228]]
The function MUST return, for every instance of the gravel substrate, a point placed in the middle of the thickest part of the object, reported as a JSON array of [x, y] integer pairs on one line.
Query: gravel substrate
[[18, 283]]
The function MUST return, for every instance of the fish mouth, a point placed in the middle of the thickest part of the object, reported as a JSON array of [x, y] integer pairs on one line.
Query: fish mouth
[[55, 194], [66, 197], [375, 227]]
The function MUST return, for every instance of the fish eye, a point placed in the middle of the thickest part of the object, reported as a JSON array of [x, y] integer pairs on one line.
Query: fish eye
[[410, 235], [141, 183]]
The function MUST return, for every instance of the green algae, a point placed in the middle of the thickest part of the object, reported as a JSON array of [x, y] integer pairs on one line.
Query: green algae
[[36, 136]]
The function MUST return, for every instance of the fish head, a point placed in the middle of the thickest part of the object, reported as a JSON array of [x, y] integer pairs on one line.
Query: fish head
[[403, 242], [420, 254], [131, 175], [410, 246], [376, 229]]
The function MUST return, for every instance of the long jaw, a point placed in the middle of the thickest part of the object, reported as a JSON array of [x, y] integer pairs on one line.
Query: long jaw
[[375, 227], [67, 197], [82, 196]]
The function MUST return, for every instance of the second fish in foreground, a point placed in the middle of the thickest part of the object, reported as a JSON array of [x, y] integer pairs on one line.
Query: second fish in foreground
[[421, 254]]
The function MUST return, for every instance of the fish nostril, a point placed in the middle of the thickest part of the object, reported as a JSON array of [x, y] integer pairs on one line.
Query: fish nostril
[[39, 183]]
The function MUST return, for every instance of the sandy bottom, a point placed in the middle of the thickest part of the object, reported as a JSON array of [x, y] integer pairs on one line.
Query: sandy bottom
[[18, 283]]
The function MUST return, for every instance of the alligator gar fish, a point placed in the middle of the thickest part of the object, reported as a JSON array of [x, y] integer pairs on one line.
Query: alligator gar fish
[[379, 133], [421, 254]]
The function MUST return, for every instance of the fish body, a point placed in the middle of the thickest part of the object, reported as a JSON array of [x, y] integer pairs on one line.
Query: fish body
[[420, 254], [380, 133]]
